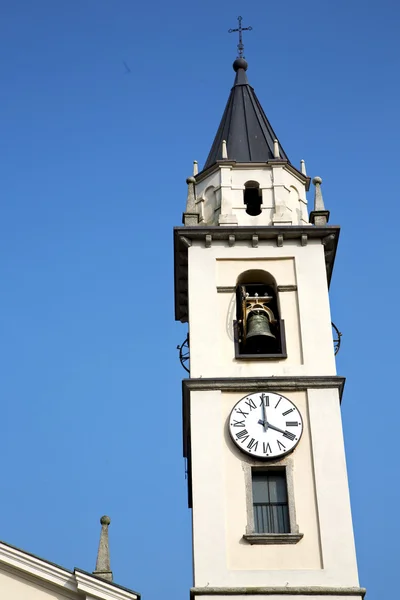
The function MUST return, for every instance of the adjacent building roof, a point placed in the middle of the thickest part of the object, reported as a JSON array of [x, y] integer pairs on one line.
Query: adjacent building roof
[[244, 125], [23, 574]]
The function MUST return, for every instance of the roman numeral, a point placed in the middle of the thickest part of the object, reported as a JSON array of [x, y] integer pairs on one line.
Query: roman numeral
[[242, 435], [239, 410], [266, 448], [264, 400], [278, 401], [292, 423], [288, 411], [289, 435], [252, 445], [239, 423], [250, 403], [281, 446]]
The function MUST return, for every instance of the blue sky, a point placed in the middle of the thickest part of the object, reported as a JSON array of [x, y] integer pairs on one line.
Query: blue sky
[[93, 164]]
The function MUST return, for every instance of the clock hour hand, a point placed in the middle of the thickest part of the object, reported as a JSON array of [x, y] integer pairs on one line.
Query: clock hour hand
[[275, 428]]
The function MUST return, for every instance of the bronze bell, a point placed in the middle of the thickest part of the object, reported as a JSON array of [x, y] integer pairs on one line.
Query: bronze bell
[[259, 338]]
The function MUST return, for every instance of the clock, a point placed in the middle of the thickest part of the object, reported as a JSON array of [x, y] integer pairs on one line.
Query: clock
[[265, 425]]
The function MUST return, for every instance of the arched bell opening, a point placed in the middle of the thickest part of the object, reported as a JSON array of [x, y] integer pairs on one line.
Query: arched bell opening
[[252, 198], [259, 328]]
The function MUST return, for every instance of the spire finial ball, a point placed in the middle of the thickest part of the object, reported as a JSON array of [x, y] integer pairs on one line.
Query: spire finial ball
[[240, 63], [190, 180], [317, 180], [105, 520]]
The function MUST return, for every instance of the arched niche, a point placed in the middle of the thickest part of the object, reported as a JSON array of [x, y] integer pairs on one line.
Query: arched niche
[[252, 198], [259, 329], [209, 204]]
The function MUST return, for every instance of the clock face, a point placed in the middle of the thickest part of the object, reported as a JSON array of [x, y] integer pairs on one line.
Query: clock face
[[265, 425]]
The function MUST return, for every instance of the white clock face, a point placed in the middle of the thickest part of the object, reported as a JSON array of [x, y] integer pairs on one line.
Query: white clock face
[[265, 425]]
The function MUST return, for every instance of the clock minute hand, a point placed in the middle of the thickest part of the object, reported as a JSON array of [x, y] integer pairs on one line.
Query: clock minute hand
[[275, 428], [264, 412]]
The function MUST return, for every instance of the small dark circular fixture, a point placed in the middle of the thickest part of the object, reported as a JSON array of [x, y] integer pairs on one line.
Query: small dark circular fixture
[[184, 354], [337, 338], [240, 63]]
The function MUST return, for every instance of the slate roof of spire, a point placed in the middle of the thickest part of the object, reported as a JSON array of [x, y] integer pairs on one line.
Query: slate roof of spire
[[244, 125]]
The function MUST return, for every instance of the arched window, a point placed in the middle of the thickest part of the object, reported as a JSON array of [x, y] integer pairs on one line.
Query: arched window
[[259, 330], [252, 198]]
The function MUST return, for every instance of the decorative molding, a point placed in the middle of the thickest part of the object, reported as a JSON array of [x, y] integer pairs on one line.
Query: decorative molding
[[255, 384], [319, 217], [256, 165], [96, 587], [186, 242], [278, 591], [45, 573], [273, 538], [254, 241], [37, 567], [234, 235], [227, 289], [304, 239], [287, 288]]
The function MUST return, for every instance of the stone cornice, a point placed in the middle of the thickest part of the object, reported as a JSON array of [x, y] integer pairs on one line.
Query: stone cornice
[[255, 165], [278, 591], [36, 567], [185, 236], [255, 384], [97, 588]]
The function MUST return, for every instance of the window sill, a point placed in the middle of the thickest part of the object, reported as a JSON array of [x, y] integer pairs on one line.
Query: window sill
[[260, 356], [273, 538]]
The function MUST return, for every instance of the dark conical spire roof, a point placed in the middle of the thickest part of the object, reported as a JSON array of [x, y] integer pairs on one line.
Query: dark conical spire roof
[[244, 126]]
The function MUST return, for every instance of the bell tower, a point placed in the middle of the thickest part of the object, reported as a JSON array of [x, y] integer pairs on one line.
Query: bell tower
[[262, 430]]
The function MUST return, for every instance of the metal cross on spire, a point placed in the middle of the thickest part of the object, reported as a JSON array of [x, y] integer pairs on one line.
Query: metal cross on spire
[[240, 29]]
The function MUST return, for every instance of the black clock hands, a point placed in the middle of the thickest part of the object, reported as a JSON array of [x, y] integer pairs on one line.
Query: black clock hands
[[266, 424], [254, 433], [275, 428]]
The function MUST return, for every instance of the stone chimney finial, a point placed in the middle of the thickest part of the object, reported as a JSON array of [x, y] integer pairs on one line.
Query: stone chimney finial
[[191, 216], [195, 167], [276, 149], [103, 568], [303, 167], [319, 216], [224, 150]]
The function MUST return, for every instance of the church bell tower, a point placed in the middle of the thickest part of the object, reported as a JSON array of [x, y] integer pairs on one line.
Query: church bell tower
[[262, 430]]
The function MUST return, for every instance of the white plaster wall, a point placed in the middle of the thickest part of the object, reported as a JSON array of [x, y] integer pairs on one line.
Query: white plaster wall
[[209, 214], [241, 555], [283, 196], [332, 488], [326, 555], [306, 311], [15, 587]]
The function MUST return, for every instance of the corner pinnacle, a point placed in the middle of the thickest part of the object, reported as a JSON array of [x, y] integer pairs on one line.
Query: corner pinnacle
[[103, 568]]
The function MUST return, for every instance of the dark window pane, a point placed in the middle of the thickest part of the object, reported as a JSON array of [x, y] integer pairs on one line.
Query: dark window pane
[[277, 487], [260, 487], [270, 506]]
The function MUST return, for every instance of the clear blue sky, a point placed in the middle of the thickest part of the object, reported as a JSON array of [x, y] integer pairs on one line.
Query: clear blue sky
[[93, 165]]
